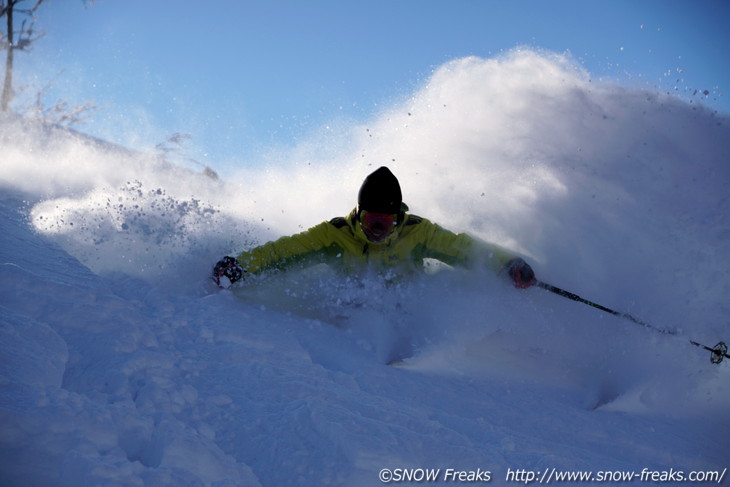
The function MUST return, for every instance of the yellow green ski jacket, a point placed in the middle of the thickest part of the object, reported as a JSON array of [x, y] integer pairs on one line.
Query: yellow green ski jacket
[[341, 243]]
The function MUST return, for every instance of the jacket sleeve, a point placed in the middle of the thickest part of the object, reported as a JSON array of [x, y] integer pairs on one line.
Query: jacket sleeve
[[460, 249], [311, 246]]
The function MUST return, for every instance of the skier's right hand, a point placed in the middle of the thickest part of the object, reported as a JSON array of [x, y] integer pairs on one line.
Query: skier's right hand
[[226, 272]]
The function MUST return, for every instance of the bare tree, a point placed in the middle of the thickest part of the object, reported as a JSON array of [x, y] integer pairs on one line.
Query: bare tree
[[16, 40], [61, 113]]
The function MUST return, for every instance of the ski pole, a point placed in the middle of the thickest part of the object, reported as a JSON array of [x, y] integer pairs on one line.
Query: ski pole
[[718, 353]]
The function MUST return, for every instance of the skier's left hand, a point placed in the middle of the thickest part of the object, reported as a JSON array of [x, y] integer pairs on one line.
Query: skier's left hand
[[227, 271], [521, 273]]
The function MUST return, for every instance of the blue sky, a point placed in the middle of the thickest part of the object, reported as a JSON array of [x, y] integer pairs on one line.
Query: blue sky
[[242, 76]]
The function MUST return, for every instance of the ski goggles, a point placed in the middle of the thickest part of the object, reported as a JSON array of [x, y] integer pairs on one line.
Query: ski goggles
[[379, 221]]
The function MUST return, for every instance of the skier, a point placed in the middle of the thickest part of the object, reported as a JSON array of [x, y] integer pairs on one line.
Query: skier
[[378, 234]]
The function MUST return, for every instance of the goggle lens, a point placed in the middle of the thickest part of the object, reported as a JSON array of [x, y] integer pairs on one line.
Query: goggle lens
[[377, 220], [377, 226]]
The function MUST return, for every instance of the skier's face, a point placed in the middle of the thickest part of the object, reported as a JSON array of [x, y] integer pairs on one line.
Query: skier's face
[[377, 226]]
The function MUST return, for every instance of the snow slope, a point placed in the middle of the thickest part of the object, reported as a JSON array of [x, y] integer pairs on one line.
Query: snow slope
[[120, 366]]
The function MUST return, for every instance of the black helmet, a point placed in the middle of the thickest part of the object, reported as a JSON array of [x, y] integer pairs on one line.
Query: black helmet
[[380, 193]]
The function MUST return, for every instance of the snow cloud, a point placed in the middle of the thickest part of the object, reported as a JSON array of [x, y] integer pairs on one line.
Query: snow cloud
[[584, 177]]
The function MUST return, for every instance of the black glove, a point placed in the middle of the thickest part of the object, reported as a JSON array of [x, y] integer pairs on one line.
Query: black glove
[[227, 271], [521, 273]]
